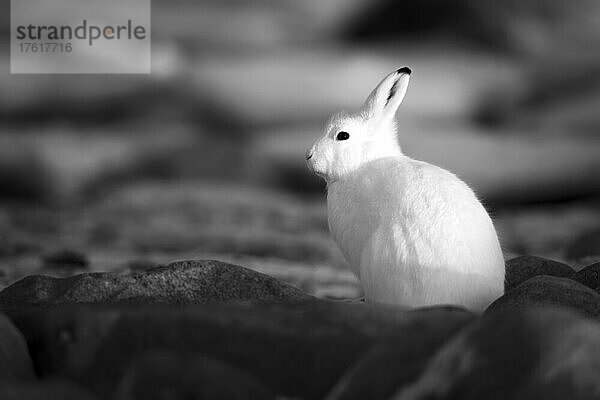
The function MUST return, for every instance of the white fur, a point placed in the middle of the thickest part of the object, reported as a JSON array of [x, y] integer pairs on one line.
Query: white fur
[[413, 233]]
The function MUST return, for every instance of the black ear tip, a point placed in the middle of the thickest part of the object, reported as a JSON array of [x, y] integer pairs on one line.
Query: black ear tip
[[404, 70]]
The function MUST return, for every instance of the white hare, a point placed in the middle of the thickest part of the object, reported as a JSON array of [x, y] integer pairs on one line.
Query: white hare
[[413, 233]]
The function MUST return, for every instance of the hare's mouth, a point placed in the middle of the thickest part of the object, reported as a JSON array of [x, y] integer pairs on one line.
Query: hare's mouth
[[312, 169], [320, 174]]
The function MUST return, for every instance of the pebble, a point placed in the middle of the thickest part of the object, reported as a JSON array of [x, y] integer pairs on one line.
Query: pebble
[[533, 353], [520, 269], [393, 363], [589, 276], [297, 349], [15, 363], [551, 291], [159, 374]]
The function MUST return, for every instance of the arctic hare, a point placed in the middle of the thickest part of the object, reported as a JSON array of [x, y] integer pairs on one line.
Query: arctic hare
[[413, 233]]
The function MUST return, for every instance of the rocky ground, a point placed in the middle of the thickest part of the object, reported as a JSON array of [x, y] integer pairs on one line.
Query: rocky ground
[[214, 330], [107, 180], [204, 157]]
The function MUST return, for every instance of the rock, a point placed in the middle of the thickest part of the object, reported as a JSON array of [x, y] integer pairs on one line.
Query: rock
[[468, 24], [66, 258], [519, 269], [23, 174], [589, 276], [586, 245], [388, 366], [47, 390], [229, 27], [551, 291], [298, 349], [15, 363], [182, 282], [42, 100], [519, 354], [55, 164], [159, 375], [19, 246], [532, 106]]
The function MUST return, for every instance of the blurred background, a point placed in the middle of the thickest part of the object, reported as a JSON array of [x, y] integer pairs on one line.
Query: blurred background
[[204, 158]]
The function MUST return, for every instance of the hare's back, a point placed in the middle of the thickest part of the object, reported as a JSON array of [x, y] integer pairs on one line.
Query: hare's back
[[444, 217], [428, 205]]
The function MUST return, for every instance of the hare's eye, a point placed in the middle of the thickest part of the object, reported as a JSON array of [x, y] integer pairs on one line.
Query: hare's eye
[[342, 136]]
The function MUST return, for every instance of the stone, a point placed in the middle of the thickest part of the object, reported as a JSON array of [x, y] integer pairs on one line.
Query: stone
[[15, 363], [182, 282], [585, 245], [23, 176], [389, 365], [159, 375], [46, 390], [66, 258], [299, 349], [589, 276], [468, 24], [519, 269], [534, 353], [551, 291]]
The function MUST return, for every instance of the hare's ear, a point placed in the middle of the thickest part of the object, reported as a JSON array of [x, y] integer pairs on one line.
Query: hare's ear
[[385, 99]]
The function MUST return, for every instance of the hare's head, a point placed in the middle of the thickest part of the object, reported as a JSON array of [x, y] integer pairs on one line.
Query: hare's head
[[351, 140]]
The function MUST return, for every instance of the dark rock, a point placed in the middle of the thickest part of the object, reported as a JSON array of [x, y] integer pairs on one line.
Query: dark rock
[[589, 276], [586, 245], [519, 269], [46, 390], [24, 176], [551, 291], [15, 363], [17, 246], [300, 349], [467, 23], [104, 233], [183, 282], [390, 365], [69, 259], [519, 354], [160, 375]]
